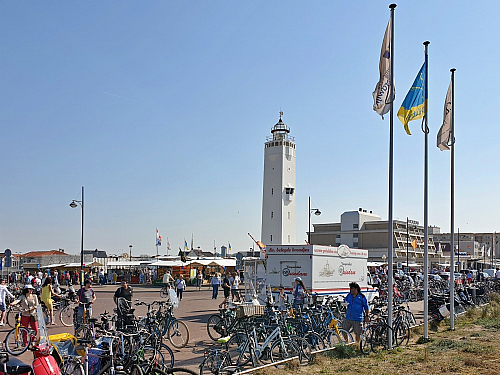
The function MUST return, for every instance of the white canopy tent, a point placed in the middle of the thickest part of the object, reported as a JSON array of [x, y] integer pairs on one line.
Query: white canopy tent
[[133, 263]]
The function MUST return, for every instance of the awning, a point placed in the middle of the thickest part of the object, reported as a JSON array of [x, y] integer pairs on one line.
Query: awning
[[71, 265], [30, 265], [168, 263], [223, 262], [53, 266], [374, 264], [94, 264], [133, 263]]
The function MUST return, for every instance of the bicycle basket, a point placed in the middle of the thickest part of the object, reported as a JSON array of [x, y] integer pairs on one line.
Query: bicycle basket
[[245, 311]]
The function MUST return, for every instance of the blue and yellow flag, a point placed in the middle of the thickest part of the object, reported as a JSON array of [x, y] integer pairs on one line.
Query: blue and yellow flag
[[186, 245], [415, 103]]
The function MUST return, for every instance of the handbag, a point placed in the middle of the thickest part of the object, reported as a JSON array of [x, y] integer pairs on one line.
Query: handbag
[[34, 316]]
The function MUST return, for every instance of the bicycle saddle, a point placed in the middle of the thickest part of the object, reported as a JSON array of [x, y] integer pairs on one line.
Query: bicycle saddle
[[15, 366]]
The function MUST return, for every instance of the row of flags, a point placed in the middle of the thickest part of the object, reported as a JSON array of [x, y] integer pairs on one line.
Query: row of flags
[[414, 105]]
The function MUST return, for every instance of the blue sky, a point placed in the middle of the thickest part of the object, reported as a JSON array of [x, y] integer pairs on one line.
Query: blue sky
[[161, 109]]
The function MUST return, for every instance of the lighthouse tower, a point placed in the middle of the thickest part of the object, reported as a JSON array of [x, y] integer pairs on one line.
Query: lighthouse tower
[[278, 198]]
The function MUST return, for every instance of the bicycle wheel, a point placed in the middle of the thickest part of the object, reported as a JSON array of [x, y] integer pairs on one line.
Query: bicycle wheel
[[17, 341], [136, 370], [305, 350], [216, 327], [411, 319], [345, 336], [66, 316], [334, 339], [11, 315], [214, 363], [72, 366], [175, 371], [168, 355], [401, 334], [161, 357], [379, 338], [238, 348], [178, 334], [365, 340], [283, 349], [315, 340], [164, 292]]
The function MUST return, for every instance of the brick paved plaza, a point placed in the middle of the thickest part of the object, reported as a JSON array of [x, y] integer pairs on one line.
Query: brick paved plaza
[[194, 309]]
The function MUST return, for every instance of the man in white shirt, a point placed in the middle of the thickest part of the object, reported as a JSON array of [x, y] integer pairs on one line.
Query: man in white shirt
[[234, 281], [497, 274], [3, 291]]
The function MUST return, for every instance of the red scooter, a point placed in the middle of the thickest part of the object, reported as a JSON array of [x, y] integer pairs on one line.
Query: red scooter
[[43, 364]]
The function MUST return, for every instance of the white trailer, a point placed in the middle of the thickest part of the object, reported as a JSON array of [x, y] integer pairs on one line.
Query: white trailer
[[324, 270]]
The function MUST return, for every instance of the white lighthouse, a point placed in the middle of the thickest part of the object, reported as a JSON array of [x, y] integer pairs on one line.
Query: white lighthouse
[[278, 198]]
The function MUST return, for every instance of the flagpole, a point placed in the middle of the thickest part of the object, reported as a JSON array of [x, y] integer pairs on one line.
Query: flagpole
[[452, 199], [391, 183], [426, 182]]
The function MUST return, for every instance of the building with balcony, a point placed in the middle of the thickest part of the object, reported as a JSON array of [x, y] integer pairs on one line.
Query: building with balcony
[[365, 230]]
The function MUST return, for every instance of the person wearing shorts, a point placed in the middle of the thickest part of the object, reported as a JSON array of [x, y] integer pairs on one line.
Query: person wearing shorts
[[357, 310], [3, 292]]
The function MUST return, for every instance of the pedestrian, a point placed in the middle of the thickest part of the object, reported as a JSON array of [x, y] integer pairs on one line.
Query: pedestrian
[[215, 282], [29, 316], [469, 277], [101, 276], [115, 277], [86, 297], [299, 293], [67, 278], [234, 280], [125, 291], [180, 285], [282, 301], [3, 291], [357, 310], [46, 297], [226, 287], [199, 279]]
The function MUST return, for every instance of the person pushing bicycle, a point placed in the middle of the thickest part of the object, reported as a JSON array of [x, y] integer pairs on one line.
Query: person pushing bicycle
[[357, 310]]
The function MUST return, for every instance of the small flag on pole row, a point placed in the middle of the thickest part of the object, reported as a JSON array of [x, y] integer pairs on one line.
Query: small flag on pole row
[[186, 245], [168, 245], [414, 105], [489, 251], [443, 136], [414, 244], [158, 238], [229, 249], [382, 95]]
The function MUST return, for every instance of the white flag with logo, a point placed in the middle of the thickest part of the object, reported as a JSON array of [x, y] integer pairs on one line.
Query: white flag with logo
[[443, 136], [381, 96]]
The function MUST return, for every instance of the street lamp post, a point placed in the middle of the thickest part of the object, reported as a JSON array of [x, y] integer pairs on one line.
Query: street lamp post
[[407, 243], [74, 205], [317, 212]]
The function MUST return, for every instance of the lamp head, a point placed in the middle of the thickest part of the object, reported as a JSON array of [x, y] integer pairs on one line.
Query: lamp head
[[73, 205], [317, 212]]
